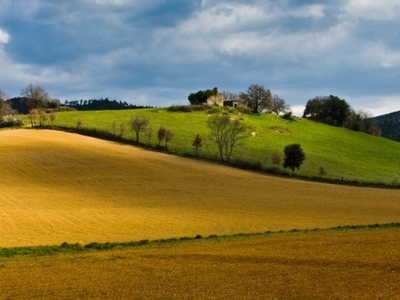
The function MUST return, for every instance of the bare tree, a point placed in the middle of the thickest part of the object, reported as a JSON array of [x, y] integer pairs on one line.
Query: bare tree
[[139, 125], [79, 123], [53, 117], [168, 137], [33, 115], [43, 117], [114, 127], [197, 143], [229, 96], [149, 133], [122, 129], [36, 95], [276, 159], [278, 105], [257, 97], [160, 135], [226, 133], [5, 108]]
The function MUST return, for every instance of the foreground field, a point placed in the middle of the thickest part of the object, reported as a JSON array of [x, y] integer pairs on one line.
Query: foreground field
[[360, 264], [58, 187]]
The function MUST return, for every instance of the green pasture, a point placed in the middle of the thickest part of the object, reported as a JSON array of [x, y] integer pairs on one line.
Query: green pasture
[[341, 152]]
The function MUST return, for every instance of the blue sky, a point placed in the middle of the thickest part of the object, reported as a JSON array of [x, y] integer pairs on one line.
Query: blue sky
[[157, 52]]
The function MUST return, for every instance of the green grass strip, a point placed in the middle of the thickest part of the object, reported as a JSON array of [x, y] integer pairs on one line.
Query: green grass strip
[[66, 248]]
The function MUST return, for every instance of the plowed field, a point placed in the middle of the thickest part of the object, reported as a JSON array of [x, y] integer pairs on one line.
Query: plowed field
[[324, 265], [57, 187]]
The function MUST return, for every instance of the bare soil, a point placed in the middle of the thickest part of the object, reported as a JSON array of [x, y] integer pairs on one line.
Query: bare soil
[[361, 264]]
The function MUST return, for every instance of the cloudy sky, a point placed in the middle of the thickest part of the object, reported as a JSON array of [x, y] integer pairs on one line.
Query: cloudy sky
[[156, 52]]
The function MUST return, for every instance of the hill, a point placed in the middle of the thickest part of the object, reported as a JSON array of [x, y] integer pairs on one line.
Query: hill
[[390, 125], [342, 153], [58, 187]]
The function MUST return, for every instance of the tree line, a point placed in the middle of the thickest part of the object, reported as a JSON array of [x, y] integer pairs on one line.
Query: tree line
[[330, 110], [101, 104], [36, 97], [225, 133]]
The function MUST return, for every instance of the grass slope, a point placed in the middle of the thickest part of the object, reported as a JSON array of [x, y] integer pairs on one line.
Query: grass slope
[[60, 187], [343, 153]]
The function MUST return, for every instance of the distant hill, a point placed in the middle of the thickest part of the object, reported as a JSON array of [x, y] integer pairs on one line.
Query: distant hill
[[390, 125]]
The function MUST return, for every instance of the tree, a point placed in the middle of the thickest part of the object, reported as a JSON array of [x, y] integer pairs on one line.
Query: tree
[[226, 133], [257, 97], [294, 157], [168, 137], [276, 159], [5, 107], [278, 105], [330, 110], [149, 134], [33, 115], [363, 121], [53, 117], [197, 143], [36, 96], [139, 125], [201, 96], [43, 117], [160, 135]]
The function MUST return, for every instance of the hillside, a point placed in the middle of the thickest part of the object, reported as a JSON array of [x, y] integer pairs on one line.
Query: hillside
[[58, 187], [342, 153], [390, 125]]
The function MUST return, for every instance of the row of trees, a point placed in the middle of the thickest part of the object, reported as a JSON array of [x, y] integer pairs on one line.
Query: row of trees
[[101, 104], [327, 109], [225, 132], [36, 97], [256, 98], [337, 112]]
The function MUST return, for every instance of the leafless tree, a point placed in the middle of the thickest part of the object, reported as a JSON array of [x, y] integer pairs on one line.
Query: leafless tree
[[149, 133], [257, 97], [43, 117], [278, 105], [226, 133], [33, 116], [160, 135], [36, 95], [168, 137], [139, 125], [197, 143], [276, 159], [5, 108], [53, 117]]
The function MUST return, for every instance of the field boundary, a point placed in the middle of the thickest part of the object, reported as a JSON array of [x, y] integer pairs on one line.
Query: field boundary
[[66, 248], [108, 136]]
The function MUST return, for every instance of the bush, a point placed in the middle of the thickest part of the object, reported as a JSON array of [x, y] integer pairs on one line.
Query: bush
[[248, 165], [181, 108], [288, 116], [11, 122]]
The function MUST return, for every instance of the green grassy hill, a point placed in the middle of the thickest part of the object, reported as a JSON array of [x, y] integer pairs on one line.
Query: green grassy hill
[[341, 152]]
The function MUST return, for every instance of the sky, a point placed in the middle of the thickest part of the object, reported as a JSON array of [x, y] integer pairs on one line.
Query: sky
[[157, 52]]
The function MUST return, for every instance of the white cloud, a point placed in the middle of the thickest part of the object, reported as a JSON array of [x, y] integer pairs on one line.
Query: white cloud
[[377, 104], [315, 11], [378, 10], [4, 37]]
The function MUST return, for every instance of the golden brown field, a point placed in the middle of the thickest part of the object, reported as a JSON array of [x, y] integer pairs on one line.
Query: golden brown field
[[360, 264], [58, 187]]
